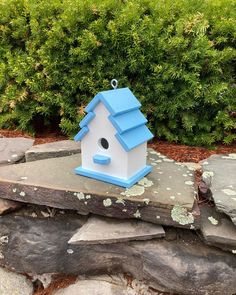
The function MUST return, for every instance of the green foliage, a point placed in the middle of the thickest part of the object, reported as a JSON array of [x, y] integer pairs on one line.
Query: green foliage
[[178, 57]]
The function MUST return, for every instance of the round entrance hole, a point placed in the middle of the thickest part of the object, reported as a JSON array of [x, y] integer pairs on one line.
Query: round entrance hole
[[103, 143]]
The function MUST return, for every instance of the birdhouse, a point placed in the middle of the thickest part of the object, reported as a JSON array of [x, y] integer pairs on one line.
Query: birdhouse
[[114, 138]]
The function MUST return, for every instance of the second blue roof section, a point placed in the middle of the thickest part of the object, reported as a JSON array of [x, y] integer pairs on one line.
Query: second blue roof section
[[125, 117]]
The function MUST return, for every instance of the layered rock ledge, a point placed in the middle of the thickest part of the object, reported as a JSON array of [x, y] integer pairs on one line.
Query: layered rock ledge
[[166, 196]]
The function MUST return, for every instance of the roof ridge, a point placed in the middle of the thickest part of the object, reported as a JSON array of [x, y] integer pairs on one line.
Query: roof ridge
[[125, 116]]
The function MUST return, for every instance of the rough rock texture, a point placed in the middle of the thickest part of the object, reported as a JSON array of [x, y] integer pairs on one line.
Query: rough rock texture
[[165, 196], [219, 175], [45, 279], [105, 230], [14, 284], [192, 166], [12, 150], [217, 229], [106, 285], [95, 287], [8, 206], [52, 150], [180, 263]]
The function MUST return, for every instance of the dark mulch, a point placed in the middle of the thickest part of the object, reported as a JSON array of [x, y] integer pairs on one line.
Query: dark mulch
[[183, 153], [39, 138]]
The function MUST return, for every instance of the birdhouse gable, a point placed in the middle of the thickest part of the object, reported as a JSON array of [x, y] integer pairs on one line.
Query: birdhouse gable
[[125, 116]]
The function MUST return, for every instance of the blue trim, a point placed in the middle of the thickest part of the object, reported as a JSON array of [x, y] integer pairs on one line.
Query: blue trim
[[80, 135], [117, 101], [93, 103], [128, 121], [86, 120], [134, 137], [114, 180], [101, 159]]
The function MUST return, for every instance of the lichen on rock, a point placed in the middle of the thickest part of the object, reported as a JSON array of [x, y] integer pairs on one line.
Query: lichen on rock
[[145, 182], [80, 195], [107, 202], [120, 201], [181, 215], [213, 220], [135, 190], [137, 214]]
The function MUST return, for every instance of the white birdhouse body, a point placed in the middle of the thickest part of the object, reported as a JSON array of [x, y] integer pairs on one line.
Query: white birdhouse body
[[114, 139]]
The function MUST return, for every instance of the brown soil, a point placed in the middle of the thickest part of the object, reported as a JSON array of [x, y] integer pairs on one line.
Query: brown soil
[[39, 138], [177, 152], [183, 153]]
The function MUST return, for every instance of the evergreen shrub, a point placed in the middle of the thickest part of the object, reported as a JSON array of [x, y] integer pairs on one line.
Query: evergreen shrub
[[177, 56]]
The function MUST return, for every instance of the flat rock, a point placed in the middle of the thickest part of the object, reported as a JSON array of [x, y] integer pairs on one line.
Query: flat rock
[[14, 284], [104, 230], [95, 287], [165, 196], [182, 265], [12, 150], [192, 166], [106, 285], [8, 206], [217, 229], [219, 175], [52, 150]]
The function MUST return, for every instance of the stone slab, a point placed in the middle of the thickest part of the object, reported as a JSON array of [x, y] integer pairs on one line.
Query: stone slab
[[14, 284], [55, 149], [107, 285], [105, 230], [95, 287], [181, 265], [219, 175], [217, 229], [8, 206], [12, 150], [166, 196]]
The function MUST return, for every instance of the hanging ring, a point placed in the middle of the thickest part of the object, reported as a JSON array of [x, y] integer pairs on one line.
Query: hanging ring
[[114, 83]]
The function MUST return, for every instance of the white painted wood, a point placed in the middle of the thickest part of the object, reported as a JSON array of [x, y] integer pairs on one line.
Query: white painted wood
[[137, 159], [123, 164], [101, 127]]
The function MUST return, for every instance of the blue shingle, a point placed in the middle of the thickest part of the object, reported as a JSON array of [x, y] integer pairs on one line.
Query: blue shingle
[[132, 138], [86, 120], [119, 101], [128, 121], [79, 136]]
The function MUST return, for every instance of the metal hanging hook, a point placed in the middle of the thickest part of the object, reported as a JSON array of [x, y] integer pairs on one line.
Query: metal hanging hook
[[114, 83]]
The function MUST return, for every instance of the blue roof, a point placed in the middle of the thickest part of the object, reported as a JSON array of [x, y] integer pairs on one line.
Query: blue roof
[[117, 101], [125, 116]]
